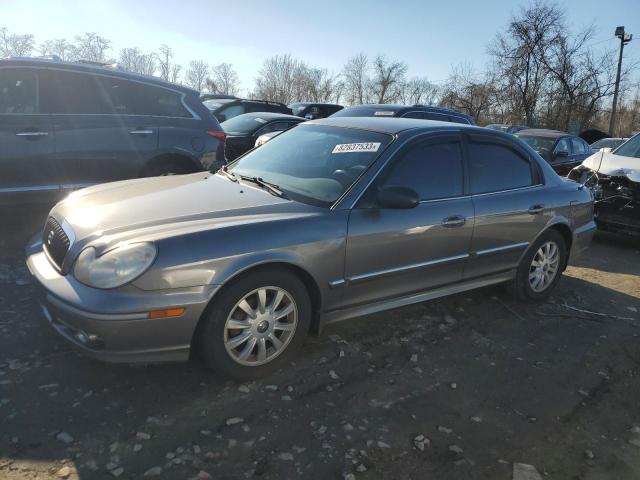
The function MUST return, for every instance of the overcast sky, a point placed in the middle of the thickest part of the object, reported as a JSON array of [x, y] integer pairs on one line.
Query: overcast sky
[[430, 36]]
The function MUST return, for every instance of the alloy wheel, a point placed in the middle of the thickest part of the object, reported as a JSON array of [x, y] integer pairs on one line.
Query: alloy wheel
[[260, 326], [544, 266]]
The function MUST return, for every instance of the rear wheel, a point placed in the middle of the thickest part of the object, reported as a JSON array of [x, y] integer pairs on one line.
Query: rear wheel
[[256, 324], [541, 267]]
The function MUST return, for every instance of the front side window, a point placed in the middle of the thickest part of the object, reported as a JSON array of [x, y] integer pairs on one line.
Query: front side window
[[433, 170], [578, 146], [18, 91], [562, 146], [495, 167], [314, 164]]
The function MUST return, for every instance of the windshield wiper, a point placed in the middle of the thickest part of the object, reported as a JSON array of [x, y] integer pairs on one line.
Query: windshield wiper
[[271, 187], [223, 170]]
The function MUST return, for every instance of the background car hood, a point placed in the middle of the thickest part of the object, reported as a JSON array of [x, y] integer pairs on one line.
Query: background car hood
[[161, 203], [614, 165]]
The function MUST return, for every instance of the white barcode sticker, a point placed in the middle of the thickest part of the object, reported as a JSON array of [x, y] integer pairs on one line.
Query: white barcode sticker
[[383, 113], [260, 120], [356, 147]]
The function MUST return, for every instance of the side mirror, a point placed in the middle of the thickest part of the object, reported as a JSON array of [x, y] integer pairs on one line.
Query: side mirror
[[562, 153], [606, 149], [394, 197]]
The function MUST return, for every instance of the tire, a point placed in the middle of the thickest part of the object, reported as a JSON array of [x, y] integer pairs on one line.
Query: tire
[[170, 167], [524, 288], [221, 346]]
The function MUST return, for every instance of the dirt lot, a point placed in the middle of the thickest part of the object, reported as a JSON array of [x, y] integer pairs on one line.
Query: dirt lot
[[486, 380]]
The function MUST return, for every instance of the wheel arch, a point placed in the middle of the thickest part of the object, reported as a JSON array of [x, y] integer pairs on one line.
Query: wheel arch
[[310, 283]]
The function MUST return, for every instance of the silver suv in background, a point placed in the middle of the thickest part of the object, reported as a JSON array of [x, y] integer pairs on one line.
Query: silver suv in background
[[67, 125]]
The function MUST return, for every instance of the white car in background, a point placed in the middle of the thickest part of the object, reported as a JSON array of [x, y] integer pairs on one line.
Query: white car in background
[[264, 138]]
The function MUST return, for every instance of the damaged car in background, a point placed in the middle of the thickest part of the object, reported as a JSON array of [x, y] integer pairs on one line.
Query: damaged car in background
[[614, 179]]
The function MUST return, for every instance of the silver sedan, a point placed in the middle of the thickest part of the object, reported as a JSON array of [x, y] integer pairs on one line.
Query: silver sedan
[[334, 219]]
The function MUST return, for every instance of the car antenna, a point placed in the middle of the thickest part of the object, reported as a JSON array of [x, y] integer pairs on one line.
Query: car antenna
[[595, 173]]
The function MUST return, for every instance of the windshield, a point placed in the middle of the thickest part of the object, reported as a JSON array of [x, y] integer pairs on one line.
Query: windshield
[[242, 124], [314, 164], [630, 148], [296, 108], [542, 145]]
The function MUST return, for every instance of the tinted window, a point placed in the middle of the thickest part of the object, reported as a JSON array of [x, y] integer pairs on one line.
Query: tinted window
[[436, 116], [274, 127], [419, 115], [245, 124], [631, 148], [228, 113], [80, 93], [495, 167], [432, 170], [18, 91], [579, 147]]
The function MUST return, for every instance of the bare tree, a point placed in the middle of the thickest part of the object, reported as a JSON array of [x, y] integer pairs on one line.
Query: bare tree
[[277, 79], [224, 80], [134, 60], [165, 57], [91, 47], [355, 75], [418, 90], [387, 77], [14, 45], [196, 75], [58, 47], [518, 53], [174, 73], [470, 92]]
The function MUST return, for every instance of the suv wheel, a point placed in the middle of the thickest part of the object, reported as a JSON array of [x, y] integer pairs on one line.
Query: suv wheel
[[256, 325], [541, 267]]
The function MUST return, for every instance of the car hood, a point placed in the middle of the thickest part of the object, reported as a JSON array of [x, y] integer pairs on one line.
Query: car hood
[[613, 165], [155, 207]]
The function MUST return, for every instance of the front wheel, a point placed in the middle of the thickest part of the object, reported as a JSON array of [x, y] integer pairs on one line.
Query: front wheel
[[256, 324], [541, 267]]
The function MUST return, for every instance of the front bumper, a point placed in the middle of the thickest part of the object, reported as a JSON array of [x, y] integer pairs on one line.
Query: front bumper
[[113, 325]]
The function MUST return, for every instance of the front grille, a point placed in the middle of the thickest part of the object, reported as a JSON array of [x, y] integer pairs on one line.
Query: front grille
[[55, 241]]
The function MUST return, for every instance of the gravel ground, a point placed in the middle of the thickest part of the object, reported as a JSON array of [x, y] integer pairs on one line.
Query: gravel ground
[[465, 387]]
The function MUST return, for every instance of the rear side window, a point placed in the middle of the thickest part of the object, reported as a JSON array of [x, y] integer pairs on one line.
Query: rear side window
[[433, 170], [80, 93], [495, 167], [419, 115], [18, 91]]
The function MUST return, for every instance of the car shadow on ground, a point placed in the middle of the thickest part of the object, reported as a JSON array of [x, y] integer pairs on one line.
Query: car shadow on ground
[[504, 381]]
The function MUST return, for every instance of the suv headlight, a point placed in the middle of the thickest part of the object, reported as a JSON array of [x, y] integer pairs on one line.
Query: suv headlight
[[116, 267]]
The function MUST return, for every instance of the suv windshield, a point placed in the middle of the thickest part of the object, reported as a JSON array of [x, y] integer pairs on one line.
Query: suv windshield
[[314, 164], [630, 148]]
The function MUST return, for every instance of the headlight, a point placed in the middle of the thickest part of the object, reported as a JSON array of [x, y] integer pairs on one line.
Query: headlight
[[115, 267]]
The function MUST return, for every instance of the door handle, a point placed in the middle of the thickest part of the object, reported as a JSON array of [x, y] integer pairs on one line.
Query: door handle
[[141, 132], [535, 209], [455, 221], [32, 134]]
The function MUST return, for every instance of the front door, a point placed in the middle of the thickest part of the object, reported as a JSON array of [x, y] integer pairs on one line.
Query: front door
[[396, 252], [26, 137]]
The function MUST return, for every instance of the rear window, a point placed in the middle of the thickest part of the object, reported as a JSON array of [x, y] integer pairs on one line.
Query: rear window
[[364, 112], [243, 124], [296, 108]]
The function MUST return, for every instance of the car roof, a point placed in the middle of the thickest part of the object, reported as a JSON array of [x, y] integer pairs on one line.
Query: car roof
[[271, 116], [542, 132], [391, 125], [106, 69], [395, 107], [306, 104]]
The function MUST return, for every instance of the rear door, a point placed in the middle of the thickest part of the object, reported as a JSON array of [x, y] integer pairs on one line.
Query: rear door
[[509, 201], [396, 252], [99, 136], [26, 137]]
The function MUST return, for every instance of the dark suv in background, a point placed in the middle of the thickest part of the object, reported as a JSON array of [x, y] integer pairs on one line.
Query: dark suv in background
[[423, 112], [313, 111], [66, 125], [226, 108]]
